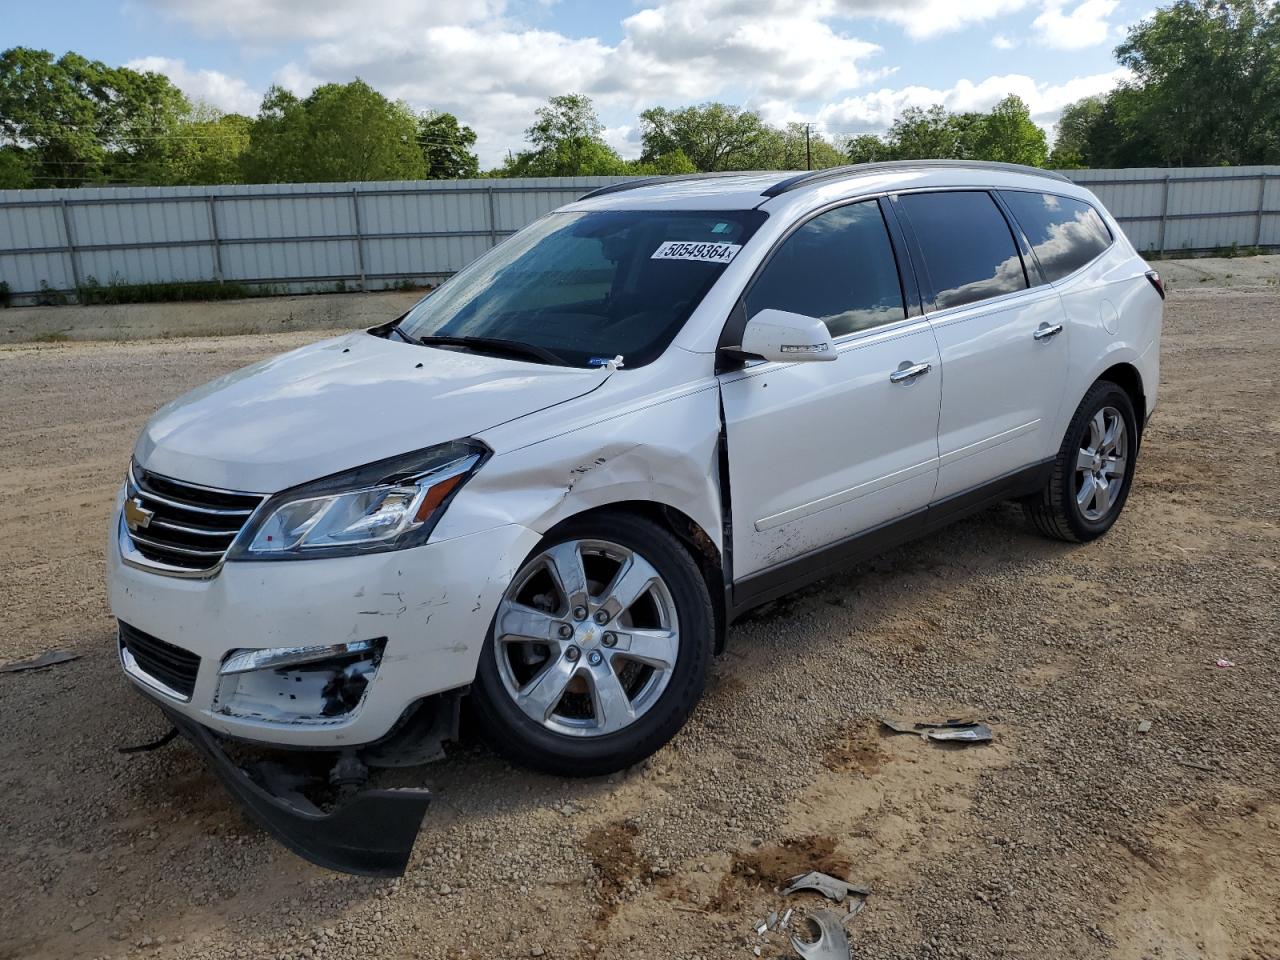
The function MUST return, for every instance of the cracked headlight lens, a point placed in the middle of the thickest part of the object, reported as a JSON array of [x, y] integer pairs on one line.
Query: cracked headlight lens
[[389, 505]]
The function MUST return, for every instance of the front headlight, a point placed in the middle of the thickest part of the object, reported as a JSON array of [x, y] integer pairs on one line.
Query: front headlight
[[389, 505]]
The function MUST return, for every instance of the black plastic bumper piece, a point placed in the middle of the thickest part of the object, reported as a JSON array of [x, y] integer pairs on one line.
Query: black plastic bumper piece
[[372, 834]]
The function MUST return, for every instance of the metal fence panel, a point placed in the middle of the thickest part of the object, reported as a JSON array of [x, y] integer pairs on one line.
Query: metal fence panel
[[374, 235]]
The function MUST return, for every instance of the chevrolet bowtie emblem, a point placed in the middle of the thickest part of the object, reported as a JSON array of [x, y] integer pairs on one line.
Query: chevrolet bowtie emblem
[[136, 516]]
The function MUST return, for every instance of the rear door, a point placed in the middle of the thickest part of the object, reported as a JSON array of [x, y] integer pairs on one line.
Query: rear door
[[1002, 339], [819, 452]]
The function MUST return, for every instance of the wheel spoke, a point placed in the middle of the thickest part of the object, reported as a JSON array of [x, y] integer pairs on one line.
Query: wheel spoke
[[1114, 467], [630, 584], [612, 706], [565, 563], [520, 623], [1097, 430], [1101, 497], [542, 694], [1088, 487], [1084, 459], [1113, 432], [656, 648]]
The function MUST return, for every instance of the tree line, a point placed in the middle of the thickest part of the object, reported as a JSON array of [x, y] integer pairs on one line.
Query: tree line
[[1205, 90]]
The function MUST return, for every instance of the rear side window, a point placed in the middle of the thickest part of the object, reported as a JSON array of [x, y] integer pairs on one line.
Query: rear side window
[[1064, 233], [968, 249], [838, 267]]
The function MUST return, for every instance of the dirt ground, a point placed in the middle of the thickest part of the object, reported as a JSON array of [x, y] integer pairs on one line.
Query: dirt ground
[[1073, 835]]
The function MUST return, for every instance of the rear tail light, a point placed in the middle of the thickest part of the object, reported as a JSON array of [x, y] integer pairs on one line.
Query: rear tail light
[[1156, 282]]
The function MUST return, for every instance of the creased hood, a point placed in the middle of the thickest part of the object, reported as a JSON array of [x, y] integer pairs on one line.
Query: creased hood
[[340, 404]]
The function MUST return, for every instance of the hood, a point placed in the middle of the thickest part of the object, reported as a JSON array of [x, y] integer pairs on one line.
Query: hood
[[340, 404]]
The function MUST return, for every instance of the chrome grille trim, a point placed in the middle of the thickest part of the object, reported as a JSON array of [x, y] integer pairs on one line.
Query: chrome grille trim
[[192, 526]]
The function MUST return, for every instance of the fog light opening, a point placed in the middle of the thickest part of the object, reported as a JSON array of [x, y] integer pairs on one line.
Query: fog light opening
[[312, 684]]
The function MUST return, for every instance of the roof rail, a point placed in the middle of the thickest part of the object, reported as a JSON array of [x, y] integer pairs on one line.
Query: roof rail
[[675, 178], [836, 173]]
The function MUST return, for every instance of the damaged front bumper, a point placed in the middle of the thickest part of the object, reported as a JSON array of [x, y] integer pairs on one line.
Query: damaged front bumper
[[371, 833]]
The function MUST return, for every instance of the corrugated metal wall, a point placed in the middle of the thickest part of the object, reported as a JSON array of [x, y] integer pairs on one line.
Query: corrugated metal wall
[[373, 235]]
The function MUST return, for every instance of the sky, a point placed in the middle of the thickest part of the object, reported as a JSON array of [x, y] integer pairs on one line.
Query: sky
[[849, 66]]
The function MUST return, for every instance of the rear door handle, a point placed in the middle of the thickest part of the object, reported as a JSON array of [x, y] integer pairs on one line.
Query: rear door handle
[[906, 374], [1045, 331]]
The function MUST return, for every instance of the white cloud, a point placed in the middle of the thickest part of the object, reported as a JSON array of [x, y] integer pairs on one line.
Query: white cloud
[[259, 20], [1001, 42], [1085, 26], [229, 94], [875, 111], [929, 18]]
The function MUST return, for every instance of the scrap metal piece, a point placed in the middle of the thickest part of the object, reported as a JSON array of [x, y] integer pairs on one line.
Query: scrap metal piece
[[786, 918], [970, 733], [830, 887], [832, 942], [47, 659], [772, 920], [760, 926]]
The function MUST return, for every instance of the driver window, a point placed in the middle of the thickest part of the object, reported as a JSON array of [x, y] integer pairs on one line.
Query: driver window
[[838, 267]]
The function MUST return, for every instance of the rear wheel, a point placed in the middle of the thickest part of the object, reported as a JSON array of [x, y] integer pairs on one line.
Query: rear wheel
[[1093, 470], [598, 651]]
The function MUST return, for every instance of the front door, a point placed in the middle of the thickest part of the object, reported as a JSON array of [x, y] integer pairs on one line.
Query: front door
[[819, 452]]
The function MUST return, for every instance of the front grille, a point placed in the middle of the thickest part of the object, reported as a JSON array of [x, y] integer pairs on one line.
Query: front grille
[[191, 526], [172, 666]]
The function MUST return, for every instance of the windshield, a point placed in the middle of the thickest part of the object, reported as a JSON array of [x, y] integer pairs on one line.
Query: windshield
[[588, 287]]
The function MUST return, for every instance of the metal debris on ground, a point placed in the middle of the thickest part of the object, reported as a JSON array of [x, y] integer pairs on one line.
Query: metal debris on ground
[[1225, 663], [1144, 726], [945, 731], [830, 887], [832, 942], [48, 659]]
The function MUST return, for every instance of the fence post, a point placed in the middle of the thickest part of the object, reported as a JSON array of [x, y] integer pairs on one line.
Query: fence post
[[493, 218], [1164, 213], [213, 234], [71, 246], [1262, 199], [355, 216]]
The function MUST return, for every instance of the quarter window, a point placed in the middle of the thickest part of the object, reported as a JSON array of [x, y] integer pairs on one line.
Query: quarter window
[[838, 267], [1064, 233], [968, 248]]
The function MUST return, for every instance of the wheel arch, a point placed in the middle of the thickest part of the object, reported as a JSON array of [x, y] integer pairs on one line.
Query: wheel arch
[[1129, 379], [691, 535]]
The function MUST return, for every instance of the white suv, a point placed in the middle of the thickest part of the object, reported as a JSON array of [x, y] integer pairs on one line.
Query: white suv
[[555, 481]]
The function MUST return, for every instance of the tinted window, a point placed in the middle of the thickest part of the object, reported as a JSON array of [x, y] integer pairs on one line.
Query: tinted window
[[590, 286], [968, 250], [839, 267], [1064, 233]]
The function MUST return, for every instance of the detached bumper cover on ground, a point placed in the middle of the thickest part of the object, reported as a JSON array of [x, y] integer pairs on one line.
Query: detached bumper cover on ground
[[372, 834]]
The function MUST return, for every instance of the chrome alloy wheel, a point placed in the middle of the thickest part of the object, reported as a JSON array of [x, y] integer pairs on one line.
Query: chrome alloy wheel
[[586, 637], [1101, 463]]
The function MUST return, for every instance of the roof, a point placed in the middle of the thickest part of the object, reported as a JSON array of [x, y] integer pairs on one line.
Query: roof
[[729, 191]]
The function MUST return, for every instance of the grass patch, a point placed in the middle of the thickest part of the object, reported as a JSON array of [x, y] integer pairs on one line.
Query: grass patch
[[94, 292], [51, 338]]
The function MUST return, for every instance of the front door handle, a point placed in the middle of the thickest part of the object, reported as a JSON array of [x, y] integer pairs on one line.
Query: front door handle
[[1045, 331], [906, 374]]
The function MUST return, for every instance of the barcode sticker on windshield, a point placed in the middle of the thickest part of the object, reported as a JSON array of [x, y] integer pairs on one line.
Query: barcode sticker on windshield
[[707, 252]]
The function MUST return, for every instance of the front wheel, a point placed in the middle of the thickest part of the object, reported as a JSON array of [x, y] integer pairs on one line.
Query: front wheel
[[1093, 470], [598, 651]]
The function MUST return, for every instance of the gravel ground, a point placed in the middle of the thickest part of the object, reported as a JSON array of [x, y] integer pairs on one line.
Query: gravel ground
[[1073, 835]]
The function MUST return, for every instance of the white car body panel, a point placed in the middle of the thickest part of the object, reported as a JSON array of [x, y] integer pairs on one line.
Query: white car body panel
[[817, 452]]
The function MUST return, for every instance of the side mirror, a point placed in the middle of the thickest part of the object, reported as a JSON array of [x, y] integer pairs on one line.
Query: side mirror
[[787, 337]]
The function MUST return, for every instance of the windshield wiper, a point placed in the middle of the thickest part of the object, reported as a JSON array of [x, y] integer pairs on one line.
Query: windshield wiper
[[491, 345], [404, 334]]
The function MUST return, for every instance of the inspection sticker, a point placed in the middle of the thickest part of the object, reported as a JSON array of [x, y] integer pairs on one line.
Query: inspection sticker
[[707, 252]]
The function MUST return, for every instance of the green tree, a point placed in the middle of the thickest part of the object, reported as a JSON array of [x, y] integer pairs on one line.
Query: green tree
[[867, 148], [1006, 135], [663, 165], [566, 141], [208, 148], [447, 147], [920, 134], [714, 136], [1071, 147], [341, 132], [1206, 86], [81, 121], [16, 168]]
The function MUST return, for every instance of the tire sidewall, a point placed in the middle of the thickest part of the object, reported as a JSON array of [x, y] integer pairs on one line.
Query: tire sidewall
[[525, 741]]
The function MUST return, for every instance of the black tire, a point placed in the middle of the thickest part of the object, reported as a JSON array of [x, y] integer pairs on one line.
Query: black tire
[[524, 741], [1054, 510]]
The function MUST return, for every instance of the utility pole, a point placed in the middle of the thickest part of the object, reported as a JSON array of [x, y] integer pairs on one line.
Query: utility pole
[[808, 151]]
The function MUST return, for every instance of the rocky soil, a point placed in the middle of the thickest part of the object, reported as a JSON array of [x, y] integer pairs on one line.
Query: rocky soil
[[1072, 836]]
